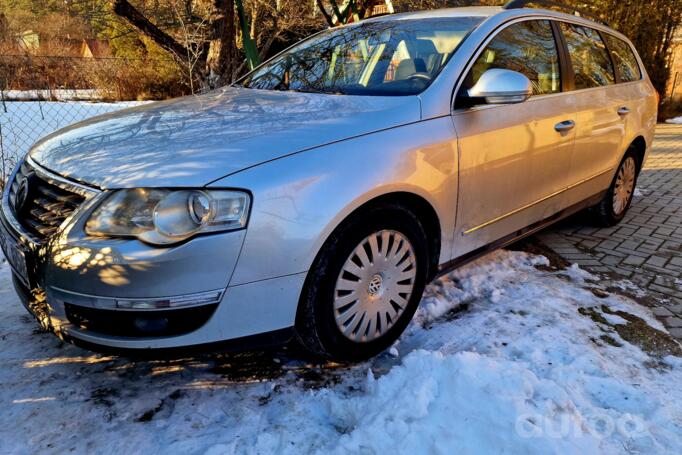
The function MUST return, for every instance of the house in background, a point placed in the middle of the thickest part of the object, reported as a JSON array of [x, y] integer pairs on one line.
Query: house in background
[[28, 41], [379, 9], [93, 48]]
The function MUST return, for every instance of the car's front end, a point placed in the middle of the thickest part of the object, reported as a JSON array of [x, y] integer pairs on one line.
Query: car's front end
[[85, 276], [134, 244]]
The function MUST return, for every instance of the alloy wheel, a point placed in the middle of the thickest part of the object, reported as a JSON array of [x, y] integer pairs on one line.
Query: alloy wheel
[[625, 185]]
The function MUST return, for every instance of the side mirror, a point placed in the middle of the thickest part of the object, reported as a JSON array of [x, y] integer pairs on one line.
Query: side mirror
[[499, 86]]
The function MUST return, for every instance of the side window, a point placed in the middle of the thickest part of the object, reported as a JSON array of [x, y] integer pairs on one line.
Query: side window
[[591, 62], [528, 48], [624, 59]]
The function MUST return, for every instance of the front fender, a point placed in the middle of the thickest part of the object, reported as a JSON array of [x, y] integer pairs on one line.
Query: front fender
[[299, 200]]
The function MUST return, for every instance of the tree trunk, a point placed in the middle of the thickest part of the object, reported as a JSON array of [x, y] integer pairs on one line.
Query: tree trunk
[[213, 61], [220, 54]]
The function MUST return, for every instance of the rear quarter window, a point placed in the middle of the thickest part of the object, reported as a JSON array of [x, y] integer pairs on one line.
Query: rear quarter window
[[624, 59]]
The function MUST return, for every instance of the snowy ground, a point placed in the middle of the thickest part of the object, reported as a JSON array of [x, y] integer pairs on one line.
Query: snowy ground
[[22, 123], [507, 355], [57, 94]]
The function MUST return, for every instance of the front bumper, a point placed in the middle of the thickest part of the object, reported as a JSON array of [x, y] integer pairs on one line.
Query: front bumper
[[83, 288]]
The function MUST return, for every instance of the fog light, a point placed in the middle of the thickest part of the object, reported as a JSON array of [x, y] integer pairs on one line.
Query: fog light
[[180, 301], [150, 325]]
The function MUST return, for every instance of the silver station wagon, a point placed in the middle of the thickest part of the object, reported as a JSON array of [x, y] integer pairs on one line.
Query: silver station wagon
[[315, 198]]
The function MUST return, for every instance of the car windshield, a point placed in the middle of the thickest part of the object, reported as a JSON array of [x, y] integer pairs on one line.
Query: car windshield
[[386, 57]]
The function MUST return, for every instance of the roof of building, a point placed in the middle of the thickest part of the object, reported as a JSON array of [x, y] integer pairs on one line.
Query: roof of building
[[97, 48]]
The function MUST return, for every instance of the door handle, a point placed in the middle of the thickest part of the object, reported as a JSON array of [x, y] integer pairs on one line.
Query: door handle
[[566, 125], [623, 111]]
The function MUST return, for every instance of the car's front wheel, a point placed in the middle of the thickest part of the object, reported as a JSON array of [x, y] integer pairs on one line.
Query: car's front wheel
[[365, 285]]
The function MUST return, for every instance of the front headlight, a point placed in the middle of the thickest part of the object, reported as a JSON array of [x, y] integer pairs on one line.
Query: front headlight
[[162, 217]]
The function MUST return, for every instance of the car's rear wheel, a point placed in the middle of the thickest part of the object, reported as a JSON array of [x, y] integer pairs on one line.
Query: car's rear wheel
[[615, 204], [365, 285]]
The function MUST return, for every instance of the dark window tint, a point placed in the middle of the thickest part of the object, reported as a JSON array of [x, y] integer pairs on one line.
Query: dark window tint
[[528, 48], [591, 62], [624, 59]]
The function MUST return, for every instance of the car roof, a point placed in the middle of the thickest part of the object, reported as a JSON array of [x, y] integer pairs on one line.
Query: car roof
[[488, 12], [465, 11]]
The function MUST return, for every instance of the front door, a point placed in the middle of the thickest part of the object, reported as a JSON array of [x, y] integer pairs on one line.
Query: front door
[[514, 159]]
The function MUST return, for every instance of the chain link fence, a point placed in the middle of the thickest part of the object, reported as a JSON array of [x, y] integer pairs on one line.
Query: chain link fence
[[39, 95], [23, 123]]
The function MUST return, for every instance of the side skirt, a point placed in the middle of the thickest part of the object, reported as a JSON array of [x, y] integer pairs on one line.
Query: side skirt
[[518, 235]]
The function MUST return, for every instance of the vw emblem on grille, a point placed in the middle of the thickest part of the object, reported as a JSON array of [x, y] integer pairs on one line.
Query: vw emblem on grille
[[21, 196]]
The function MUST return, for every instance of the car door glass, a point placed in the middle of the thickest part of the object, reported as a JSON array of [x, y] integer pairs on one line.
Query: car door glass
[[624, 59], [526, 47], [591, 62]]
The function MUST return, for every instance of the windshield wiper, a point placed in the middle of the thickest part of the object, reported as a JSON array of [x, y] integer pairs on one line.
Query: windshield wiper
[[327, 92]]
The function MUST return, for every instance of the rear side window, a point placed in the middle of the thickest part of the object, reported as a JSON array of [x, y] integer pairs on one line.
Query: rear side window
[[528, 48], [591, 62], [624, 59]]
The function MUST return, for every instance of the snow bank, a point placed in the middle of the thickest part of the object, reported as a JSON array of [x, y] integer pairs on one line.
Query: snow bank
[[501, 358], [58, 94]]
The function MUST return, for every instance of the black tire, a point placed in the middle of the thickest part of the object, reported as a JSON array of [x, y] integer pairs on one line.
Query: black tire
[[316, 326], [603, 214]]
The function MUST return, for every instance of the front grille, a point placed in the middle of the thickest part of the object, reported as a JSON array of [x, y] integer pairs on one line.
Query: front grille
[[39, 205]]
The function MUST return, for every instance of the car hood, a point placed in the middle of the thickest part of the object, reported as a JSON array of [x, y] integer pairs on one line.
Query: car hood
[[192, 141]]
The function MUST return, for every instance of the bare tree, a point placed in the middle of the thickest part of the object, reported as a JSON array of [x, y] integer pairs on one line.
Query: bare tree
[[205, 43], [191, 34]]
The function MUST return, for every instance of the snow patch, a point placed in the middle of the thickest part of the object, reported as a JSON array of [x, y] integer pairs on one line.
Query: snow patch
[[629, 286], [58, 94], [579, 275], [499, 359]]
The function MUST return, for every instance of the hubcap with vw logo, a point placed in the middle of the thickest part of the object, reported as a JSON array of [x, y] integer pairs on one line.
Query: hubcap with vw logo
[[374, 286]]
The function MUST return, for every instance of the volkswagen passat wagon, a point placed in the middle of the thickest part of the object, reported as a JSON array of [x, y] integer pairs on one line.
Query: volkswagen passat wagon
[[316, 197]]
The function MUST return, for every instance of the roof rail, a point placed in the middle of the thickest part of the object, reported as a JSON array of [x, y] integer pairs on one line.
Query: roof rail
[[514, 4]]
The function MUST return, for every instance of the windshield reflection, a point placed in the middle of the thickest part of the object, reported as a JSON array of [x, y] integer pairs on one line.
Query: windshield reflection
[[385, 57]]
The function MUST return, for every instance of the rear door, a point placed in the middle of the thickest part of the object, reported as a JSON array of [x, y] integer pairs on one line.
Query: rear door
[[600, 122], [634, 96], [514, 163]]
